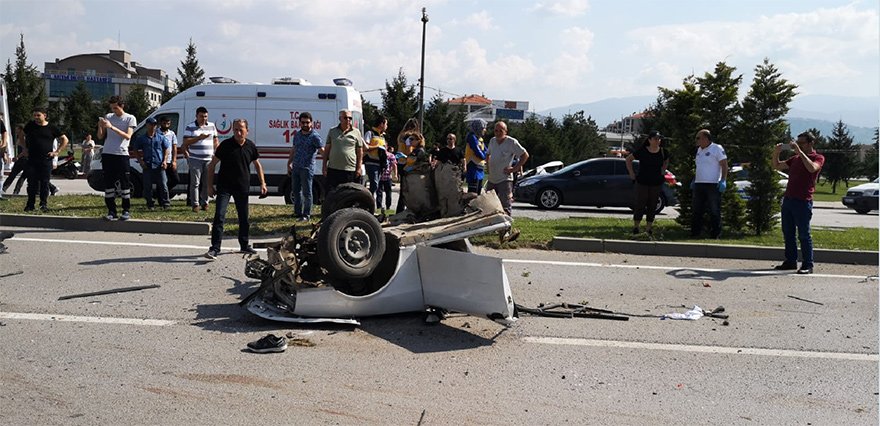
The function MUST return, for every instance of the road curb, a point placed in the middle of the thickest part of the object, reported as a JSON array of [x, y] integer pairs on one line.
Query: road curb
[[660, 248], [95, 224]]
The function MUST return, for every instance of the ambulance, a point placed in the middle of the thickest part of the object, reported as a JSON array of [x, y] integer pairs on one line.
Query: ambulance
[[272, 111]]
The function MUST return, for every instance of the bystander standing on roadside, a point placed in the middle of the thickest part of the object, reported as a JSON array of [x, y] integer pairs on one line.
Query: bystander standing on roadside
[[407, 140], [500, 153], [118, 127], [4, 147], [88, 149], [709, 183], [385, 180], [300, 166], [343, 153], [449, 154], [475, 155], [797, 201], [653, 161], [171, 169], [375, 157], [152, 150], [19, 163], [235, 156], [199, 142], [39, 137]]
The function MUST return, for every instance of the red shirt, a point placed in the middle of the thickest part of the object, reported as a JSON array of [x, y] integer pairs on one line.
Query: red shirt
[[802, 183]]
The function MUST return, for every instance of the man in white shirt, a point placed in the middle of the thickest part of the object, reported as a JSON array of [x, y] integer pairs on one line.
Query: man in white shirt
[[501, 152], [199, 142], [709, 183], [118, 126]]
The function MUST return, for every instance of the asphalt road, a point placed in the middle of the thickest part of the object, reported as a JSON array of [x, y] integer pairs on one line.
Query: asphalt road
[[174, 354], [833, 215]]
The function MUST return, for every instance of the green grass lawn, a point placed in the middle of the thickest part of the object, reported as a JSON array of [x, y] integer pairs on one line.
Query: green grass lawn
[[277, 220], [823, 190]]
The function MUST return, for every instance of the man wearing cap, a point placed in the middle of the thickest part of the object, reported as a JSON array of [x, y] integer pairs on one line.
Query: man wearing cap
[[709, 183], [153, 150]]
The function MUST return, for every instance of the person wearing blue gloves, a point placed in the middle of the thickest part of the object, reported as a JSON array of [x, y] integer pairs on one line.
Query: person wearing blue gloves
[[709, 183]]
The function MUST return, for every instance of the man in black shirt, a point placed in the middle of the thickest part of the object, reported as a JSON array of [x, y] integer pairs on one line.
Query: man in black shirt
[[39, 136], [449, 154], [235, 156]]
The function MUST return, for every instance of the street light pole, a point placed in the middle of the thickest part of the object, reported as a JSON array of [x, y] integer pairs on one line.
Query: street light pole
[[422, 78]]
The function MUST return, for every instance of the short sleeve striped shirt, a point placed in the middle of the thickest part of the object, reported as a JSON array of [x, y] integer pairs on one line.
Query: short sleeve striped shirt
[[203, 149]]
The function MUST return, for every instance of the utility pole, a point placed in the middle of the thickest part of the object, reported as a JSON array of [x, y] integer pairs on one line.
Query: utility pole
[[422, 78]]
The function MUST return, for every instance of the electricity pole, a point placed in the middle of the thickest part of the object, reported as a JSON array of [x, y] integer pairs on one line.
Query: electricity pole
[[422, 78]]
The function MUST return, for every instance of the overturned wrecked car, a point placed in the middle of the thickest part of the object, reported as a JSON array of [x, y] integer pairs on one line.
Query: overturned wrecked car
[[354, 265]]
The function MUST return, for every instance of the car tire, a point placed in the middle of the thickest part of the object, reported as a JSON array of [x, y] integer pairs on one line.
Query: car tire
[[350, 244], [549, 198], [69, 172], [862, 211], [345, 196], [661, 204]]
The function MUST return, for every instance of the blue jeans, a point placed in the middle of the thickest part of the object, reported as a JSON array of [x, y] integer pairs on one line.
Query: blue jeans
[[796, 215], [301, 188], [374, 171], [241, 206], [706, 198], [158, 177]]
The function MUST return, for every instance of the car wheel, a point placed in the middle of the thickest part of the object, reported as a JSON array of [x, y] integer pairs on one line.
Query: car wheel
[[862, 211], [661, 204], [549, 198], [348, 195], [350, 244], [69, 172]]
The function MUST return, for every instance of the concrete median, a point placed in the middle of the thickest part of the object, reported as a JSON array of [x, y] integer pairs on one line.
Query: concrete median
[[97, 224]]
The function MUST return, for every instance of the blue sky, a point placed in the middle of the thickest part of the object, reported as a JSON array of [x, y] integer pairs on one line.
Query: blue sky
[[549, 53]]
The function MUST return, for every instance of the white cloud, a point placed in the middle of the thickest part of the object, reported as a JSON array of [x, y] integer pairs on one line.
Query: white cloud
[[569, 8], [481, 20]]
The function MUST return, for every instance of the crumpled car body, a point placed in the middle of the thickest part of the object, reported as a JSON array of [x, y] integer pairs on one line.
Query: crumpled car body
[[427, 266]]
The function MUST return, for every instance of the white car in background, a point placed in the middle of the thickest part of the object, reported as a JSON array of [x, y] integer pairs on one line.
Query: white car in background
[[863, 198], [741, 180]]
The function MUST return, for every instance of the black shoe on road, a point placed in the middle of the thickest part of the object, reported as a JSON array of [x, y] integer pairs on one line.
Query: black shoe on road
[[785, 266], [248, 250], [269, 343], [805, 271]]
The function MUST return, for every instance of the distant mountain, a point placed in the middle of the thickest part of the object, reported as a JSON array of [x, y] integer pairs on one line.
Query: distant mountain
[[606, 111], [861, 135], [860, 114]]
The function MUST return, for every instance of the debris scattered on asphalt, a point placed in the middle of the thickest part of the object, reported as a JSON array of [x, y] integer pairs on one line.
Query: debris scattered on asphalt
[[705, 284], [571, 310], [805, 300], [110, 291], [11, 274], [298, 341], [691, 315], [525, 274], [421, 418]]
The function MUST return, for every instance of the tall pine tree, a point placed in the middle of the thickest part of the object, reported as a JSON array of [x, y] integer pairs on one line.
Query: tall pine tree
[[25, 89], [137, 103], [191, 74], [400, 102], [81, 112], [840, 164], [761, 127]]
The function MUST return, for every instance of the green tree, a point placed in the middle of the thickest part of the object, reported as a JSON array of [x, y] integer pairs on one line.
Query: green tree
[[760, 128], [677, 116], [869, 164], [719, 110], [24, 87], [441, 120], [82, 112], [579, 138], [540, 139], [400, 102], [840, 164], [137, 103], [370, 112], [191, 74]]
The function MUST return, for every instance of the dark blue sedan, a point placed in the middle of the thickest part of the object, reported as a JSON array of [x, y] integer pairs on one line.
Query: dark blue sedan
[[599, 182]]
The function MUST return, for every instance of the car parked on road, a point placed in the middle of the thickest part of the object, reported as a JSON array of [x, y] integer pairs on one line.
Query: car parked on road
[[600, 182], [863, 198], [741, 180]]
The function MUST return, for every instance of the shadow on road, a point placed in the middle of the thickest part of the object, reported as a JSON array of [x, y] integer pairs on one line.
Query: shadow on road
[[196, 260], [699, 274], [410, 332]]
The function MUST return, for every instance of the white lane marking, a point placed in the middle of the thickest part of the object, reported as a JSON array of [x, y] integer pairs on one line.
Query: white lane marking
[[702, 349], [676, 268], [524, 261], [75, 318], [118, 243]]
